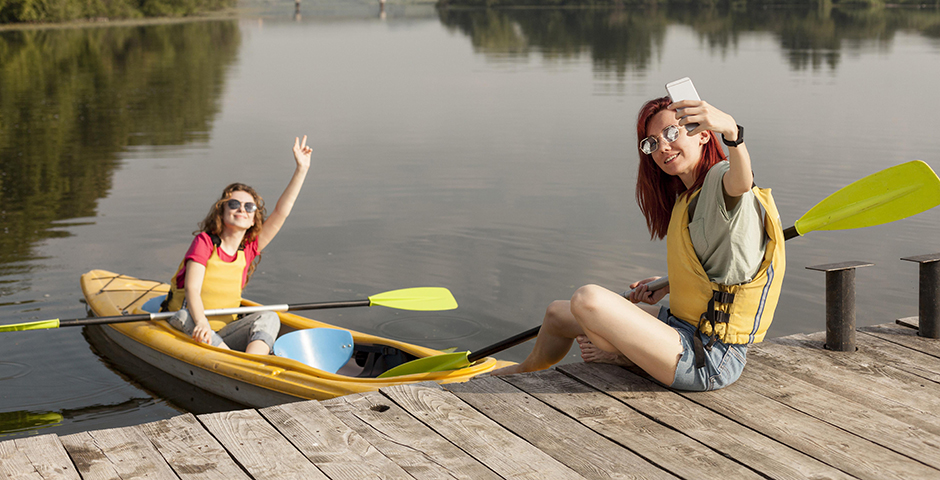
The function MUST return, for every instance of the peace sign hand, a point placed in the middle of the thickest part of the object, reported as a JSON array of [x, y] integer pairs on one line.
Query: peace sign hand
[[302, 153]]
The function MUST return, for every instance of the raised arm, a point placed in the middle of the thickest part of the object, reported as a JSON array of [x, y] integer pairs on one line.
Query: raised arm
[[285, 203], [739, 178]]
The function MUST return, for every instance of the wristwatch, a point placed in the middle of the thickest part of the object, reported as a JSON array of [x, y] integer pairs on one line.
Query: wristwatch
[[737, 142]]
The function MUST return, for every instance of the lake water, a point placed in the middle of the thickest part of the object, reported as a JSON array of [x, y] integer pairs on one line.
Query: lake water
[[490, 152]]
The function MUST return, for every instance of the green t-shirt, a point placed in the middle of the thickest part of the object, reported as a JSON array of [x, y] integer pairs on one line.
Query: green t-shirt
[[729, 243]]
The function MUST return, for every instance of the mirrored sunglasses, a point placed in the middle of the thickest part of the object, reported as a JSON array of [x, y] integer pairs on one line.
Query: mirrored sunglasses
[[649, 144]]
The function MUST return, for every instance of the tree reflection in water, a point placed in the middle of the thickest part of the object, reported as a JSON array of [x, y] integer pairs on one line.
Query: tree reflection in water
[[625, 40], [71, 100]]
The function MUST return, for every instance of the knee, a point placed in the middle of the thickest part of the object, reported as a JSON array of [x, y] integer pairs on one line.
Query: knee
[[268, 322], [557, 310], [586, 300]]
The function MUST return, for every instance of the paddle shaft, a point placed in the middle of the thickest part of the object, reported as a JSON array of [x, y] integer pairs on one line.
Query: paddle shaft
[[534, 331], [219, 311]]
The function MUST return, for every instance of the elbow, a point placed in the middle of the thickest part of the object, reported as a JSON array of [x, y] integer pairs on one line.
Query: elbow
[[737, 191]]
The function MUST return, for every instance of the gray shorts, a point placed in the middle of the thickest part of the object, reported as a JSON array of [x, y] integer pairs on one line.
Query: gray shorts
[[723, 363], [237, 335]]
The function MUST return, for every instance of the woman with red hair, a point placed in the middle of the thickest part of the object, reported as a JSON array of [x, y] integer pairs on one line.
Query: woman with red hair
[[725, 261]]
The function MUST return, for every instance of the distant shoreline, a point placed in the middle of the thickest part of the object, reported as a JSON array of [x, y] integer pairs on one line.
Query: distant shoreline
[[231, 13]]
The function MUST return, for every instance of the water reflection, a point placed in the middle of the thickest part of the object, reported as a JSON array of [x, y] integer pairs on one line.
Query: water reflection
[[72, 99], [23, 423], [621, 40]]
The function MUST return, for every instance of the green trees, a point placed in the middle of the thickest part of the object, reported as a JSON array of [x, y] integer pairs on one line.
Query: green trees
[[66, 10]]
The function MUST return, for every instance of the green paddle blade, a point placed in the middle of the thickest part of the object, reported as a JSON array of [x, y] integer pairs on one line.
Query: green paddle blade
[[436, 363], [891, 194], [17, 327], [425, 299]]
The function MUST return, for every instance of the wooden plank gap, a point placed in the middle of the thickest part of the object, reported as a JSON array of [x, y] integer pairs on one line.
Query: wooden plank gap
[[905, 337], [504, 452], [863, 376], [552, 431], [749, 447], [659, 444], [419, 450], [257, 446], [831, 445], [843, 413], [336, 449], [190, 450]]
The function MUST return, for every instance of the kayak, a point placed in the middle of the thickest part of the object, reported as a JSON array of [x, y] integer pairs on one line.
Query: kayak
[[253, 380]]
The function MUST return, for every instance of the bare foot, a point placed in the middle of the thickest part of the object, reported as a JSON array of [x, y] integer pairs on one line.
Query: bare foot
[[591, 354]]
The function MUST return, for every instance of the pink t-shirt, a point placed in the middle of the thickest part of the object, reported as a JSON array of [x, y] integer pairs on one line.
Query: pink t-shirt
[[201, 249]]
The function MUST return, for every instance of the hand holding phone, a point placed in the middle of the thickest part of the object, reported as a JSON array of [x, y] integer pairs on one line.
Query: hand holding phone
[[682, 89]]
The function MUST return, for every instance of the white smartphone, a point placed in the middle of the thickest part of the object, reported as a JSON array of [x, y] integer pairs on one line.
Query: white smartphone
[[682, 89]]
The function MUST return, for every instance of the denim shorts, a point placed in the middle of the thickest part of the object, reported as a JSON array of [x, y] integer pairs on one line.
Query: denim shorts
[[723, 363]]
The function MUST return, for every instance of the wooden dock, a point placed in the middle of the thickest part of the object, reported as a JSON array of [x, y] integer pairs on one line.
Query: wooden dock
[[798, 412]]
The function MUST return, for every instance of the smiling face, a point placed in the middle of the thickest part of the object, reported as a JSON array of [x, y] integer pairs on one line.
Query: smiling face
[[238, 218], [680, 157]]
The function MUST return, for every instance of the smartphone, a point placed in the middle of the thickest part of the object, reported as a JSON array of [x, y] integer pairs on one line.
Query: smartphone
[[682, 89]]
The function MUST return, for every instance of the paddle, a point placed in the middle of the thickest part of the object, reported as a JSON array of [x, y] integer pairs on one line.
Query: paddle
[[891, 194], [419, 298]]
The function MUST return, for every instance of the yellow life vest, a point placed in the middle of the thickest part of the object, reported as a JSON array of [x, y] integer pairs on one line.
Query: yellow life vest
[[221, 288], [734, 314]]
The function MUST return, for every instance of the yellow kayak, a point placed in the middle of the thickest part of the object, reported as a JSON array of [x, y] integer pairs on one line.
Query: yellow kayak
[[252, 380]]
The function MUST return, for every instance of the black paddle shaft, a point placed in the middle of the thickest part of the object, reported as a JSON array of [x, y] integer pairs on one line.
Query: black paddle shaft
[[320, 306], [503, 345]]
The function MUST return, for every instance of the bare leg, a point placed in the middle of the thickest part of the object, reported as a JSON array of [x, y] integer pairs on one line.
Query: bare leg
[[258, 347], [615, 325], [559, 328]]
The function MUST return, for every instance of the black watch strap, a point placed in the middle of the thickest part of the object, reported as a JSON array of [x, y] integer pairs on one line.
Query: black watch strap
[[737, 142]]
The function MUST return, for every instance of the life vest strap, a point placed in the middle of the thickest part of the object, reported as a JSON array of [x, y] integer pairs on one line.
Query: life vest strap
[[713, 316]]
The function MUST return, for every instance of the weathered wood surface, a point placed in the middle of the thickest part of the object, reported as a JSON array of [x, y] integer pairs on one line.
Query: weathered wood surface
[[798, 411]]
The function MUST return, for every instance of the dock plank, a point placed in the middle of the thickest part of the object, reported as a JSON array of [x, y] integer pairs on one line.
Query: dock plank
[[190, 450], [257, 446], [500, 450], [859, 376], [905, 336], [337, 450], [899, 356], [770, 457], [669, 449], [116, 453], [814, 437], [40, 457], [798, 411], [566, 440], [868, 423], [420, 451]]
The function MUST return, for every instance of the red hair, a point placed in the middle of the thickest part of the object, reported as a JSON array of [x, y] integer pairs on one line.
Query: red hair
[[657, 191]]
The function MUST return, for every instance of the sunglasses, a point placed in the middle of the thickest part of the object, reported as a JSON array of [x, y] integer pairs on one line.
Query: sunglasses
[[649, 144], [235, 205]]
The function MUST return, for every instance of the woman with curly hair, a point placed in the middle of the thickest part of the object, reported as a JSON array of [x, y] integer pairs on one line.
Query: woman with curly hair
[[221, 259]]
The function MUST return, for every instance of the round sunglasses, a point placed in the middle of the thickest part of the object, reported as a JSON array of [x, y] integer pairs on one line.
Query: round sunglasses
[[649, 144]]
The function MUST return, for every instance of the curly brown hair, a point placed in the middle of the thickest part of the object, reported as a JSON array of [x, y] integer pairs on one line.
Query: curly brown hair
[[212, 224]]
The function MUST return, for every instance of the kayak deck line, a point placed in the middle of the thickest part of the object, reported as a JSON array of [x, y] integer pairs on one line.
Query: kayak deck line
[[798, 411]]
